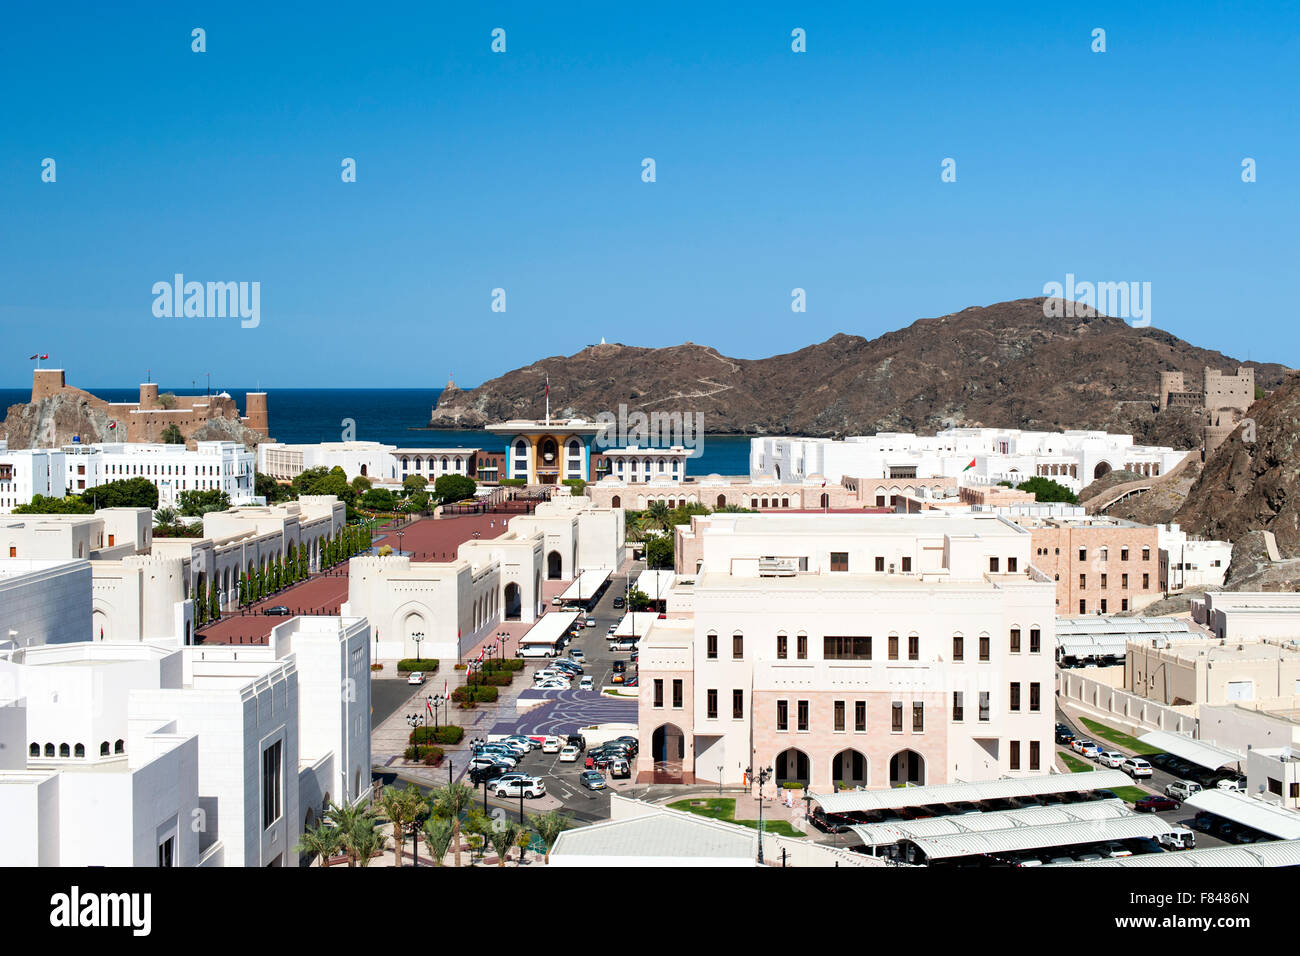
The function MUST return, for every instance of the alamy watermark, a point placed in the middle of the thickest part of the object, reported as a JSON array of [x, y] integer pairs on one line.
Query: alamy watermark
[[652, 430], [1130, 301], [213, 300]]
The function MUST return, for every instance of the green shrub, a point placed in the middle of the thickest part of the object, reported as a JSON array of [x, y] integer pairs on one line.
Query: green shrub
[[430, 755], [509, 664], [470, 693], [499, 679], [792, 785], [512, 482], [448, 734], [408, 664]]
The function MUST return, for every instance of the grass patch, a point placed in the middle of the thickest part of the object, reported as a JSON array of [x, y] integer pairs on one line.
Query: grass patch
[[724, 808], [1119, 738], [1131, 794], [1075, 764]]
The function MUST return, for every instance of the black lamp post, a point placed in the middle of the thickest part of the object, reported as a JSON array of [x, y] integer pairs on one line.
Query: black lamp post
[[807, 803], [418, 636], [763, 775], [414, 721], [434, 702]]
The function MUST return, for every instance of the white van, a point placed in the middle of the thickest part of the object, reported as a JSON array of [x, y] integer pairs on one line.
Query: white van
[[536, 650], [1180, 839]]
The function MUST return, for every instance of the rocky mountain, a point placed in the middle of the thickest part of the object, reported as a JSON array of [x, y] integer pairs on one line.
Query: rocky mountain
[[54, 420], [1005, 365], [1252, 481]]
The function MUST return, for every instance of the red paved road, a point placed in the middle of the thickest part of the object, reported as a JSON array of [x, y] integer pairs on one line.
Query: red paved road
[[430, 539]]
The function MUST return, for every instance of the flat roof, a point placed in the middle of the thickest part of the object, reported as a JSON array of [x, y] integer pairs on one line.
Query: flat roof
[[1246, 810], [586, 585], [549, 628], [655, 583], [635, 623], [660, 835], [883, 834], [1197, 751], [1037, 838], [863, 801], [1273, 853]]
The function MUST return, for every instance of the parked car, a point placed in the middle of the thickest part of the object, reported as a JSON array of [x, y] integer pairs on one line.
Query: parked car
[[1231, 783], [1116, 850], [415, 677], [1136, 767], [587, 683], [620, 768], [278, 610], [619, 666], [1064, 734], [528, 787], [592, 780], [618, 602], [488, 772], [569, 755], [618, 677], [555, 683], [631, 742], [537, 650], [551, 745], [576, 654], [598, 760], [631, 681], [1204, 821], [528, 742], [591, 622], [1090, 750], [1078, 743], [1111, 758], [1154, 803], [1180, 839], [482, 763], [1182, 789]]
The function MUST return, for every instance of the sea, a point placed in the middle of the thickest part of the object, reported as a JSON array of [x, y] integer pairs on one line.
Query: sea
[[394, 416]]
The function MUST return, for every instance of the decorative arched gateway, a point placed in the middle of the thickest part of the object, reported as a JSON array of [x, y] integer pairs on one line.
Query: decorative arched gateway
[[514, 602], [906, 766], [668, 748], [554, 566], [1102, 469], [849, 768], [792, 766]]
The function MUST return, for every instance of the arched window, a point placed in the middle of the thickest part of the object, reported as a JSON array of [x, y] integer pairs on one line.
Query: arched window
[[79, 750], [65, 750], [49, 749], [34, 750], [103, 749], [119, 747]]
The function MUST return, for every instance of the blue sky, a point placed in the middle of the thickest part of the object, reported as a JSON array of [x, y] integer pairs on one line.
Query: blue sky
[[522, 171]]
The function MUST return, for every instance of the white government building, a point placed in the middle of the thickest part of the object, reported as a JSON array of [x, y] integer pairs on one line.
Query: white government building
[[152, 753], [1072, 458], [366, 459], [30, 471]]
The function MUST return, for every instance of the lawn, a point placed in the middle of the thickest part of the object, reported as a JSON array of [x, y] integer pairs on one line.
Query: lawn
[[1119, 738], [724, 808], [1075, 764]]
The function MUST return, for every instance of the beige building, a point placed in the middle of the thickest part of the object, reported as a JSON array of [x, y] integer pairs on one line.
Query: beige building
[[1099, 565], [1263, 675], [107, 534]]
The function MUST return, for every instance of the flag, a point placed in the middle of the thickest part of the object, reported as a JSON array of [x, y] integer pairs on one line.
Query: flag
[[112, 425], [428, 705], [36, 356], [45, 356], [970, 466], [548, 384]]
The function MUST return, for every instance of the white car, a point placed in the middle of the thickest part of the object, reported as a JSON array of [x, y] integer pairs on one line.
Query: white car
[[569, 755], [587, 683], [1136, 767], [551, 745], [591, 622], [416, 677], [553, 685], [1228, 783], [521, 786], [1111, 758]]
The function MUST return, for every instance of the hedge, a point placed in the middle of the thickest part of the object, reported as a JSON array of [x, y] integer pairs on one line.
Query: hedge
[[509, 664], [448, 734], [430, 755], [512, 482], [503, 679], [475, 692], [409, 664]]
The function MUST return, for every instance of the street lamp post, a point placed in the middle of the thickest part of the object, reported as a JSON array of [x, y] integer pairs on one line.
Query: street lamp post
[[418, 636], [414, 721], [764, 774], [434, 702], [807, 803]]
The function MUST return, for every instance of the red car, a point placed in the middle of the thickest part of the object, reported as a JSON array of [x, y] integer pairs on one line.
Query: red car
[[1155, 802]]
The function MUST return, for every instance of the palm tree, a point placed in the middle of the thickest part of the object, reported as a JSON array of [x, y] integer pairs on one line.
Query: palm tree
[[322, 840], [525, 837], [437, 835], [503, 836], [549, 826], [657, 516], [365, 839], [345, 818], [451, 801], [402, 808]]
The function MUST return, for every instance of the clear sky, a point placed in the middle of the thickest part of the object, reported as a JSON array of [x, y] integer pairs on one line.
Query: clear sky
[[522, 170]]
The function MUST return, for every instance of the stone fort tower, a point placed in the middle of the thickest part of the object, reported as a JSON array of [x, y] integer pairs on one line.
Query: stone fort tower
[[1223, 399]]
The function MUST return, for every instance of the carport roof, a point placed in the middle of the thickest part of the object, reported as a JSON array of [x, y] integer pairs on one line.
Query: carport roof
[[665, 834], [863, 801], [1277, 853], [1197, 751], [1246, 810], [1015, 839], [549, 628], [586, 586], [883, 834]]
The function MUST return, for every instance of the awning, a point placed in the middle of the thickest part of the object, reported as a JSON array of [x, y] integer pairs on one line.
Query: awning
[[1249, 812], [895, 831], [1016, 839], [1197, 751], [864, 801], [1279, 853], [586, 586], [549, 629]]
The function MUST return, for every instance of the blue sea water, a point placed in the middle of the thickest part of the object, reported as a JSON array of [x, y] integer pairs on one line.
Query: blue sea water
[[390, 415]]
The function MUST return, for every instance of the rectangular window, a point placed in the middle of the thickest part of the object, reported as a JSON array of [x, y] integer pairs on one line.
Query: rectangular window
[[1011, 565], [738, 704], [272, 767], [659, 692], [1083, 580], [1083, 606], [1103, 582], [711, 701], [958, 705], [737, 647], [780, 647], [984, 647], [801, 647], [907, 564], [880, 563], [993, 565], [1123, 554], [839, 715], [1015, 640], [860, 716], [918, 717], [677, 693], [1083, 554], [1123, 582], [1035, 641], [846, 648], [1103, 605], [893, 647], [1035, 697], [1015, 696], [958, 647], [801, 712], [782, 715], [839, 560], [1146, 582], [1015, 755], [896, 717], [712, 652], [1033, 754], [166, 852], [913, 647], [984, 705], [1123, 604]]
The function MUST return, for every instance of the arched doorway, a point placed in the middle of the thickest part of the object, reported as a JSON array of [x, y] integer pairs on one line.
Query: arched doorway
[[906, 766], [616, 502], [722, 501], [668, 748], [554, 564], [1102, 470], [849, 768], [825, 500], [514, 602], [791, 766]]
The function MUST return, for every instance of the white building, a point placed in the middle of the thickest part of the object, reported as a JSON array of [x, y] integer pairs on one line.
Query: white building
[[870, 650], [212, 466], [366, 459], [1072, 458], [1189, 563], [633, 464], [108, 533], [30, 471], [44, 602]]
